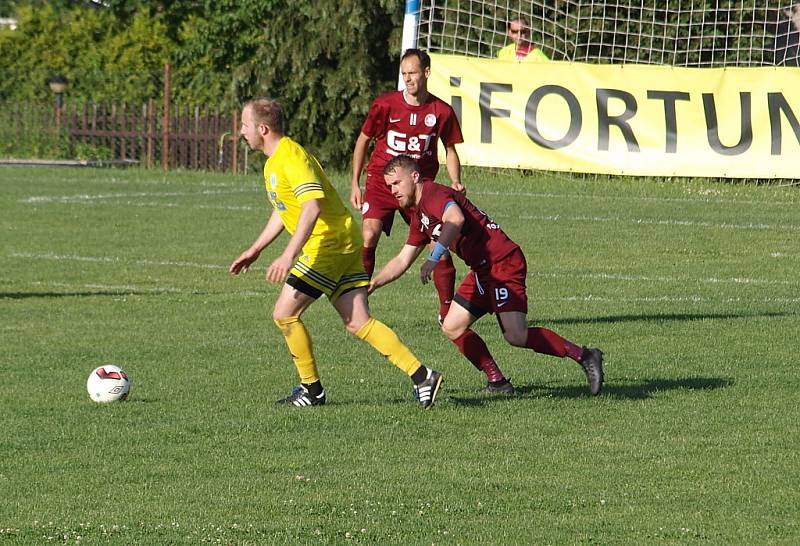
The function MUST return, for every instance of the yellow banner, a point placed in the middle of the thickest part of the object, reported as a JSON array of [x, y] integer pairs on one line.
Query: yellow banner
[[624, 119]]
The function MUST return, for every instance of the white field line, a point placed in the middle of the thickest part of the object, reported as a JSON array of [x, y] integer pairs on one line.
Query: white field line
[[656, 222], [159, 181], [556, 275], [113, 199], [165, 205], [700, 199], [644, 279], [112, 259], [544, 218], [88, 198], [125, 289], [122, 288]]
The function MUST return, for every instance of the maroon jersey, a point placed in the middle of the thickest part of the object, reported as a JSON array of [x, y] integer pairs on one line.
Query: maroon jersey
[[400, 128], [481, 241]]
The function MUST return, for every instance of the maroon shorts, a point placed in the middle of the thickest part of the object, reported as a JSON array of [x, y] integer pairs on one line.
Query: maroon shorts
[[498, 288], [379, 203]]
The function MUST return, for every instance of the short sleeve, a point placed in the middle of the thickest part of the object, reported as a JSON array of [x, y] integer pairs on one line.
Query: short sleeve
[[451, 130], [416, 237], [375, 124], [301, 173]]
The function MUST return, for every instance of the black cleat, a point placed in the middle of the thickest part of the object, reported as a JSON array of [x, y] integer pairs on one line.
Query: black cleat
[[592, 364], [503, 386], [301, 398], [426, 391]]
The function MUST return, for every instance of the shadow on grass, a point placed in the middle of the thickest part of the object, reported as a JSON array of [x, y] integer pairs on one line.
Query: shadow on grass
[[27, 295], [94, 294], [631, 391], [661, 317]]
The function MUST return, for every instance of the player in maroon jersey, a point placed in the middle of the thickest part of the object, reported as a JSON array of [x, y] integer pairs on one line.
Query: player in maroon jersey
[[407, 122], [495, 284]]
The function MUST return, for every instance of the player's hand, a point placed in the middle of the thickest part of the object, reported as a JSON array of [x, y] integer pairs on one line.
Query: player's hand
[[242, 263], [426, 271], [356, 198], [279, 269], [459, 187], [372, 287]]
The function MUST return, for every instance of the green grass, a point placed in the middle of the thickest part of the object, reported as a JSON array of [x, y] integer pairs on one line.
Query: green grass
[[690, 287]]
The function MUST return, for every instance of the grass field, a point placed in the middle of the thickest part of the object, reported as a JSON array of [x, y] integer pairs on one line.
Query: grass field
[[690, 287]]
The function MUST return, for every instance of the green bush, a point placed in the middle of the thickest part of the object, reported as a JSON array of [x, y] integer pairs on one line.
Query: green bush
[[325, 61], [29, 132], [25, 133], [103, 60], [90, 152]]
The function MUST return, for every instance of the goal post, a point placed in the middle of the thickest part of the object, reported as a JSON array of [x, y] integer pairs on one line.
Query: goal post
[[710, 33], [651, 88], [409, 39]]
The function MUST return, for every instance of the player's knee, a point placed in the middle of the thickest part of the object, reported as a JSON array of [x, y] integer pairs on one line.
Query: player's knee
[[452, 331], [516, 337], [371, 232], [371, 238], [352, 326]]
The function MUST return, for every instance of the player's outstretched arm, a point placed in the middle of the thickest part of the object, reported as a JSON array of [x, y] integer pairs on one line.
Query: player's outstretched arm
[[270, 232], [359, 157], [396, 267]]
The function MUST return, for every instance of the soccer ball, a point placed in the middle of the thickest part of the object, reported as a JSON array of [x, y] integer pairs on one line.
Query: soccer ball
[[108, 383]]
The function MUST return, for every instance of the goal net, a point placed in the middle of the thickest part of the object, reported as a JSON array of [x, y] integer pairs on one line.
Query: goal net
[[686, 33]]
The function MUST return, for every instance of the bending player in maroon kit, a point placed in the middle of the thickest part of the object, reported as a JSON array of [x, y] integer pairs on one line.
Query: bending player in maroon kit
[[405, 122], [495, 284]]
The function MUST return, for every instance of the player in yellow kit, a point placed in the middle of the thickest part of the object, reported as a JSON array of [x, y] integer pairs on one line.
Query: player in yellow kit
[[323, 256]]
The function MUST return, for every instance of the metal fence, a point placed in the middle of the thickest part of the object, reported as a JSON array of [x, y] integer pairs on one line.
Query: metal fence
[[150, 135]]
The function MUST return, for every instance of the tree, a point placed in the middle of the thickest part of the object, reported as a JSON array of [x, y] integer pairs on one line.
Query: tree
[[7, 8], [325, 61]]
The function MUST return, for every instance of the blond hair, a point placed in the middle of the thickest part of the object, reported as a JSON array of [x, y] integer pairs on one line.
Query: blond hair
[[268, 112]]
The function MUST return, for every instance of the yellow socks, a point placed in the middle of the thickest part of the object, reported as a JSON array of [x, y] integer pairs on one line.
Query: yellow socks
[[299, 343], [374, 332], [386, 342]]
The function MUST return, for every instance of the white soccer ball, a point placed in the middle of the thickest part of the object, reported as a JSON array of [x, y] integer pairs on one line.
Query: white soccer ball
[[108, 383]]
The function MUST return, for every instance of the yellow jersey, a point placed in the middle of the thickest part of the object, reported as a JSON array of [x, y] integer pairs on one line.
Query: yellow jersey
[[293, 176], [534, 55]]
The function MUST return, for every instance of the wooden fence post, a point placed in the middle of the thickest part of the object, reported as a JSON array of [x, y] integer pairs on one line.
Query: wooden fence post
[[234, 142], [165, 122], [150, 130]]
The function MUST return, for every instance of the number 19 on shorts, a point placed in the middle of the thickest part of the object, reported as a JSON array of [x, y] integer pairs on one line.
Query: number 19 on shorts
[[501, 296]]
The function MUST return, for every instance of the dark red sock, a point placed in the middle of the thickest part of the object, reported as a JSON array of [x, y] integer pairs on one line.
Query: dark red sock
[[444, 279], [472, 346], [368, 259], [548, 342]]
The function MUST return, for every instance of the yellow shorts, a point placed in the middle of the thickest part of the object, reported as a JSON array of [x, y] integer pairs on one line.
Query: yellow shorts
[[328, 273]]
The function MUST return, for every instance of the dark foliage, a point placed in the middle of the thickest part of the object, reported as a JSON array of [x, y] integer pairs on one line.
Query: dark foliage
[[325, 61]]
